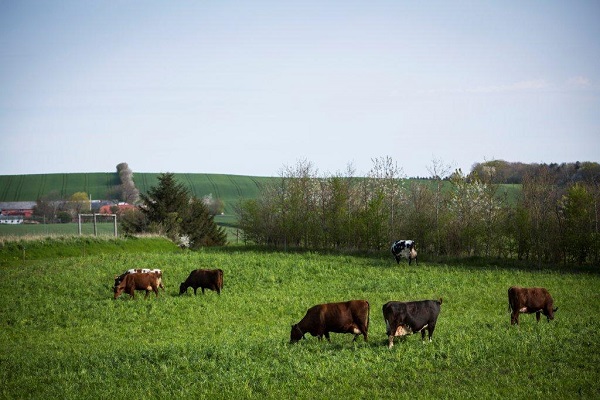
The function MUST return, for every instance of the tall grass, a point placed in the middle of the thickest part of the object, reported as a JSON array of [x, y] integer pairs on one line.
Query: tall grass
[[62, 334]]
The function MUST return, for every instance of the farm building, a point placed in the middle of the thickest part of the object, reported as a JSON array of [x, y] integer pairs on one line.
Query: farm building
[[17, 208], [116, 208], [15, 212]]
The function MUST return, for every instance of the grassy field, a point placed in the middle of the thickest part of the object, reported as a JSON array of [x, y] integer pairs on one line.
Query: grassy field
[[63, 336], [103, 229]]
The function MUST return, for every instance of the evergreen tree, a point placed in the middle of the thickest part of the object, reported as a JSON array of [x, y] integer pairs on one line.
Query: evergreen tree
[[168, 209], [199, 225], [165, 205]]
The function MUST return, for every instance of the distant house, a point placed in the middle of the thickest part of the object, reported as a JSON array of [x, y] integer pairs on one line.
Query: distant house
[[15, 212], [120, 207], [23, 209], [10, 220]]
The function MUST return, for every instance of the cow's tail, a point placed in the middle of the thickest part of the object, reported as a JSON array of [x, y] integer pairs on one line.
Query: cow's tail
[[368, 314], [440, 301]]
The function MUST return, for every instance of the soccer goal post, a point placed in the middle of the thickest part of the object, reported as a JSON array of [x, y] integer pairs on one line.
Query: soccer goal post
[[94, 218]]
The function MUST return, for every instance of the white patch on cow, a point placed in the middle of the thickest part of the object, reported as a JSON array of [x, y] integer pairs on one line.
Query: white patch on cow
[[356, 331], [426, 325], [403, 330], [135, 271], [523, 309]]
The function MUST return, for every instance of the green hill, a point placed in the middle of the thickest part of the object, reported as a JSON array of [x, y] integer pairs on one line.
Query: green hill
[[103, 185]]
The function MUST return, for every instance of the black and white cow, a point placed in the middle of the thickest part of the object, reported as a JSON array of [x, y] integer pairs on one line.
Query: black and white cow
[[404, 249], [404, 318]]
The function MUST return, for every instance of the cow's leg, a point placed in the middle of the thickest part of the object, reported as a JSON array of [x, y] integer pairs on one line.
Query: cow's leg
[[537, 316], [156, 291], [390, 341], [202, 289], [416, 263], [147, 293], [327, 336], [514, 318], [409, 260], [195, 290], [430, 330], [423, 335]]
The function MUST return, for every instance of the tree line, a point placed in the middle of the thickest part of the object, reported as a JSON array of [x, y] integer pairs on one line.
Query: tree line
[[449, 214]]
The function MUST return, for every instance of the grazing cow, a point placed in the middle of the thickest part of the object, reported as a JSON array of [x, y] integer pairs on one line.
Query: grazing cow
[[158, 272], [404, 318], [348, 317], [530, 300], [404, 249], [139, 281], [203, 278]]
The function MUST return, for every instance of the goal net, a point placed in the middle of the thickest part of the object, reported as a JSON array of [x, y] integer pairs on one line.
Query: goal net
[[97, 224]]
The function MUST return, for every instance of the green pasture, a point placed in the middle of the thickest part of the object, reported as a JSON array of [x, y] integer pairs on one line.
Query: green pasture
[[102, 229], [105, 229], [63, 336]]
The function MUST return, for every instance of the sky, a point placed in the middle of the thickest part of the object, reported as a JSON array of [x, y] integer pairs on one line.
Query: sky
[[253, 87]]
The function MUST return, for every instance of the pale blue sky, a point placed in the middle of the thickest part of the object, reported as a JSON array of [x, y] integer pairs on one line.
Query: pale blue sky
[[248, 87]]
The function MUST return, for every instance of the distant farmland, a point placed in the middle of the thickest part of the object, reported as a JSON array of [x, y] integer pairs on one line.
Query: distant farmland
[[104, 185]]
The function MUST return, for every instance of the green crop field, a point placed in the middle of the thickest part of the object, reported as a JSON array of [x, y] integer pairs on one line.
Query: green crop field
[[32, 187], [63, 336], [102, 186]]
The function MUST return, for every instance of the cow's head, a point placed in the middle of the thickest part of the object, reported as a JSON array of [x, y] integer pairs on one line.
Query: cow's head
[[550, 313], [118, 289], [296, 334], [182, 288]]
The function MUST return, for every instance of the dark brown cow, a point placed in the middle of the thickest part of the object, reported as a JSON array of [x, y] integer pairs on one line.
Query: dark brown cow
[[530, 300], [404, 318], [138, 281], [348, 317], [203, 278]]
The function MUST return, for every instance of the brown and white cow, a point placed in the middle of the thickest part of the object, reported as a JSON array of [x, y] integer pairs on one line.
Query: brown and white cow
[[404, 318], [139, 281], [203, 278], [158, 272], [346, 317], [530, 300]]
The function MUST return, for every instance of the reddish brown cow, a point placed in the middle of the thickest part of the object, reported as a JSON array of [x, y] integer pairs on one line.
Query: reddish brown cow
[[158, 272], [203, 278], [138, 281], [530, 300], [348, 317]]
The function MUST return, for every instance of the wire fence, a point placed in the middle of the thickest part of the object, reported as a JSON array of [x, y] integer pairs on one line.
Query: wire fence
[[104, 226]]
